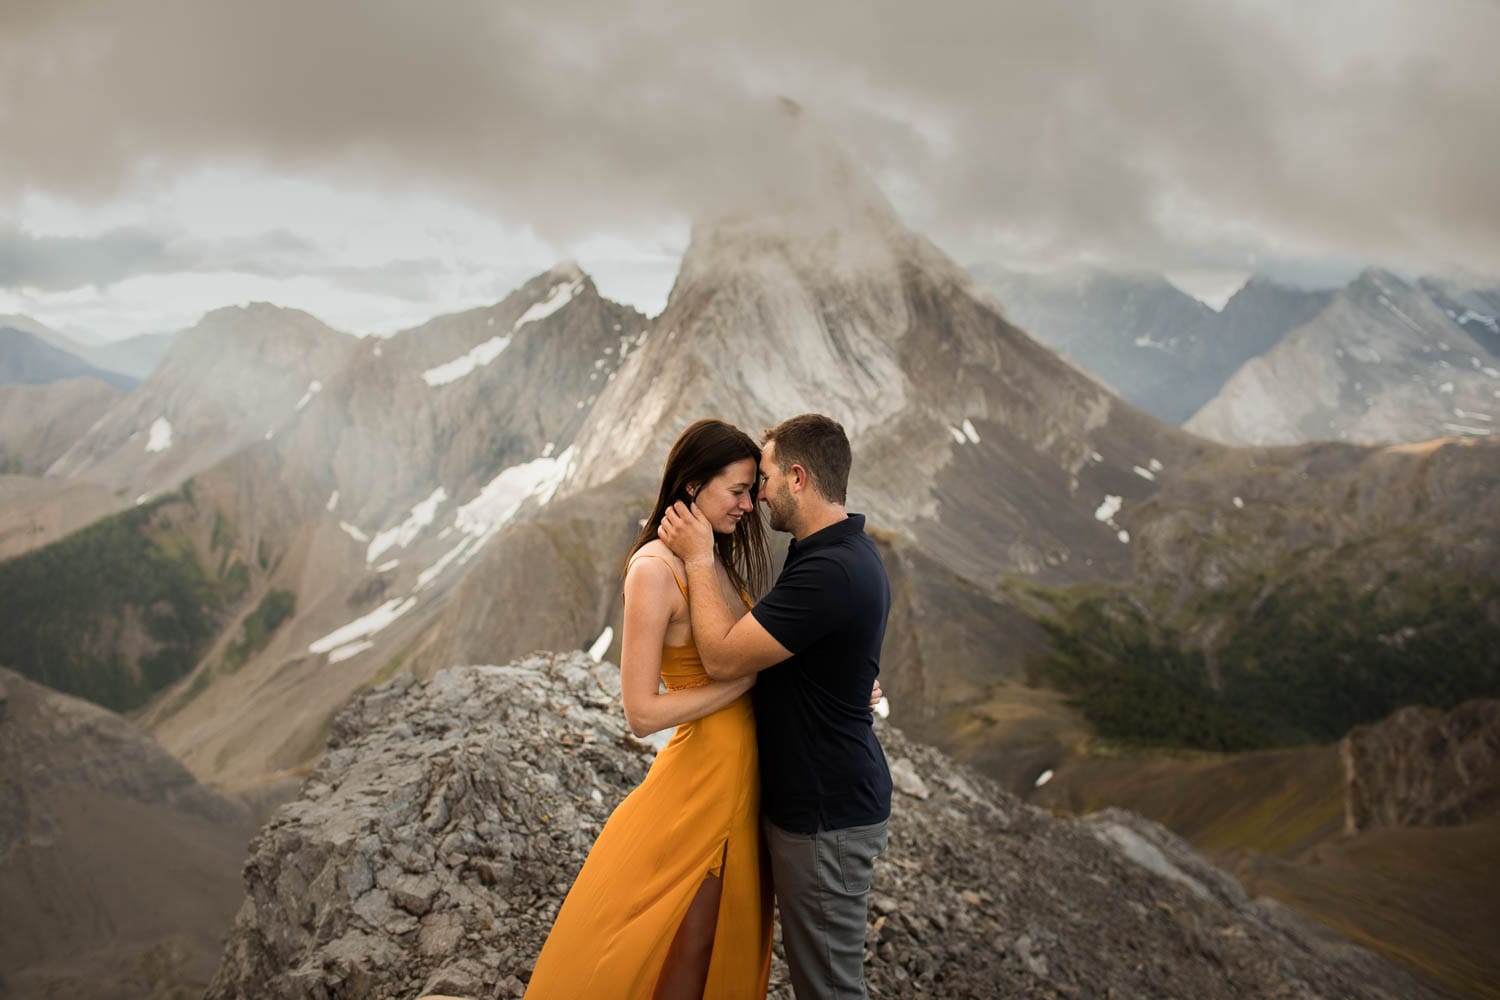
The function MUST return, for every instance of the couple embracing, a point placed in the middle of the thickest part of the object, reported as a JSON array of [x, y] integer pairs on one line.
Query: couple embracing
[[774, 779]]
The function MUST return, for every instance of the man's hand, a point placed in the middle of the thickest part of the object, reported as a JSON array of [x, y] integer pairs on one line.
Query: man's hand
[[687, 533]]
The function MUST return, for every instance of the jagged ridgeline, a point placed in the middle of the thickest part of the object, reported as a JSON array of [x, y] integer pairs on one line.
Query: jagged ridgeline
[[121, 609]]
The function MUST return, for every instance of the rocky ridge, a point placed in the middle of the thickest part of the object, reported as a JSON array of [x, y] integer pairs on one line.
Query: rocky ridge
[[1421, 767], [431, 849]]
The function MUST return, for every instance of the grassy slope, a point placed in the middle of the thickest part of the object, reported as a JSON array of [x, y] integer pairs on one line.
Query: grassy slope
[[1426, 897], [121, 609], [1289, 661]]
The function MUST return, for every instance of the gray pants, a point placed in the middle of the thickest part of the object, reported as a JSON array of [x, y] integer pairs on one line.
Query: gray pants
[[821, 882]]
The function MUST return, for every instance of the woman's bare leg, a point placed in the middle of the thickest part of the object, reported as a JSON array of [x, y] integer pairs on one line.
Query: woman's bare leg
[[686, 969]]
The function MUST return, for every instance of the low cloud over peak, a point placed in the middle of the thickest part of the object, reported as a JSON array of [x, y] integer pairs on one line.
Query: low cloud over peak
[[1156, 134]]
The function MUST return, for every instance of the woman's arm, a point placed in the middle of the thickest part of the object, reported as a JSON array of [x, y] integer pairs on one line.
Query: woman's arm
[[650, 596]]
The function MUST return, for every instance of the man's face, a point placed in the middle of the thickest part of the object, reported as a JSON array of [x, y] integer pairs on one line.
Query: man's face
[[781, 506]]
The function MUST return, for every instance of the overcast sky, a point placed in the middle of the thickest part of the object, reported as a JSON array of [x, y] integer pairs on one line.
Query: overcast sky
[[380, 162]]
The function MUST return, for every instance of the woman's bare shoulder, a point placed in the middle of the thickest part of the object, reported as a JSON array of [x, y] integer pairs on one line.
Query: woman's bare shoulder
[[658, 548]]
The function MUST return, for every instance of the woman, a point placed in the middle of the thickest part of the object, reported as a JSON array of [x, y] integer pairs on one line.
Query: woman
[[673, 901]]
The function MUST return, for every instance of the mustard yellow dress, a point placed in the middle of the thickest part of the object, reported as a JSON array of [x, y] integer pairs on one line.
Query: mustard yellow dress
[[695, 815]]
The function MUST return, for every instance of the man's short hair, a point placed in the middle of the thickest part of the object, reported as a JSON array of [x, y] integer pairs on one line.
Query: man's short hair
[[819, 445]]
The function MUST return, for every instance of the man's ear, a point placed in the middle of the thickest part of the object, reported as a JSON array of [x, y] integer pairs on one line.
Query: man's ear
[[798, 476]]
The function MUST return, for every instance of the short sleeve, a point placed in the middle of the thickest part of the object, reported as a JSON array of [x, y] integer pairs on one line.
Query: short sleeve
[[809, 601]]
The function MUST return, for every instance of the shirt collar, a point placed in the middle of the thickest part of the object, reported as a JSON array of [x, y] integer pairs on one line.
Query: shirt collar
[[836, 532]]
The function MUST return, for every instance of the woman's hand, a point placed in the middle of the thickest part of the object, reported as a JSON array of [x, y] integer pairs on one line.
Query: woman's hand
[[687, 533], [878, 704]]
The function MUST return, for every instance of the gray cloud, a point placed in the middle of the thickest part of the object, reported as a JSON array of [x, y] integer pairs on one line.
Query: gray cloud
[[1152, 134], [57, 263]]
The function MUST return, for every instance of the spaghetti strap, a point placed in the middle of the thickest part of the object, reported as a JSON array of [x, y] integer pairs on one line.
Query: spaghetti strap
[[680, 585]]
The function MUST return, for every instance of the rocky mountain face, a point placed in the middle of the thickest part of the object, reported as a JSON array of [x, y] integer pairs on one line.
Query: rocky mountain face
[[236, 377], [117, 869], [40, 422], [1385, 361], [1473, 304], [381, 494], [432, 847], [1423, 768], [26, 359], [979, 453], [973, 440], [1159, 348]]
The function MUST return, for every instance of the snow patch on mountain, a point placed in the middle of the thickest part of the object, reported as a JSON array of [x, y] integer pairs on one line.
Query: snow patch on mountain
[[431, 573], [484, 516], [364, 626], [161, 435], [313, 388], [406, 532], [601, 644], [559, 296], [1478, 317], [353, 649], [475, 359]]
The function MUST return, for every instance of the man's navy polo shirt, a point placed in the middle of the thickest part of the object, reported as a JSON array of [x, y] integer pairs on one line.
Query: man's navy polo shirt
[[820, 763]]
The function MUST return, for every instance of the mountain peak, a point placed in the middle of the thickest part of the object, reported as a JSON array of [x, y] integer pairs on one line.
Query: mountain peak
[[568, 270], [1379, 279]]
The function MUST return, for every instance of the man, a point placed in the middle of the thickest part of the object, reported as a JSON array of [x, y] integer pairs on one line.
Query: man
[[815, 638]]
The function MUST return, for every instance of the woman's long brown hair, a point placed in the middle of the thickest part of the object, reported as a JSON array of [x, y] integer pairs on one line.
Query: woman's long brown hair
[[698, 455]]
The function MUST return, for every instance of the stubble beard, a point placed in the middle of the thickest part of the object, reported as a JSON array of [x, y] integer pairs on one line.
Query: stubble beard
[[782, 508]]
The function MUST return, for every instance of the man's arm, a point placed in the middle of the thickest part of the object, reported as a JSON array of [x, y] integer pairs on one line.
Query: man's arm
[[729, 648]]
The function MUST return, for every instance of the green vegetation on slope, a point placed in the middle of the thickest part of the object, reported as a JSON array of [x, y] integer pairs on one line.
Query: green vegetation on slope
[[275, 608], [1294, 665], [114, 612]]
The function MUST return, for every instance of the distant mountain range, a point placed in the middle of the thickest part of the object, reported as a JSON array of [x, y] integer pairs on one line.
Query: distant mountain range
[[1384, 361], [1152, 343], [26, 359], [135, 357]]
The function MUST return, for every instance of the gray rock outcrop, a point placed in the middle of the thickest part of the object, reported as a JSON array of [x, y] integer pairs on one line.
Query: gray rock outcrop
[[1421, 767], [431, 849]]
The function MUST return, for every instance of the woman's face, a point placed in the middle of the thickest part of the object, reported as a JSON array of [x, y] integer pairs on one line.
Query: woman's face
[[727, 497]]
